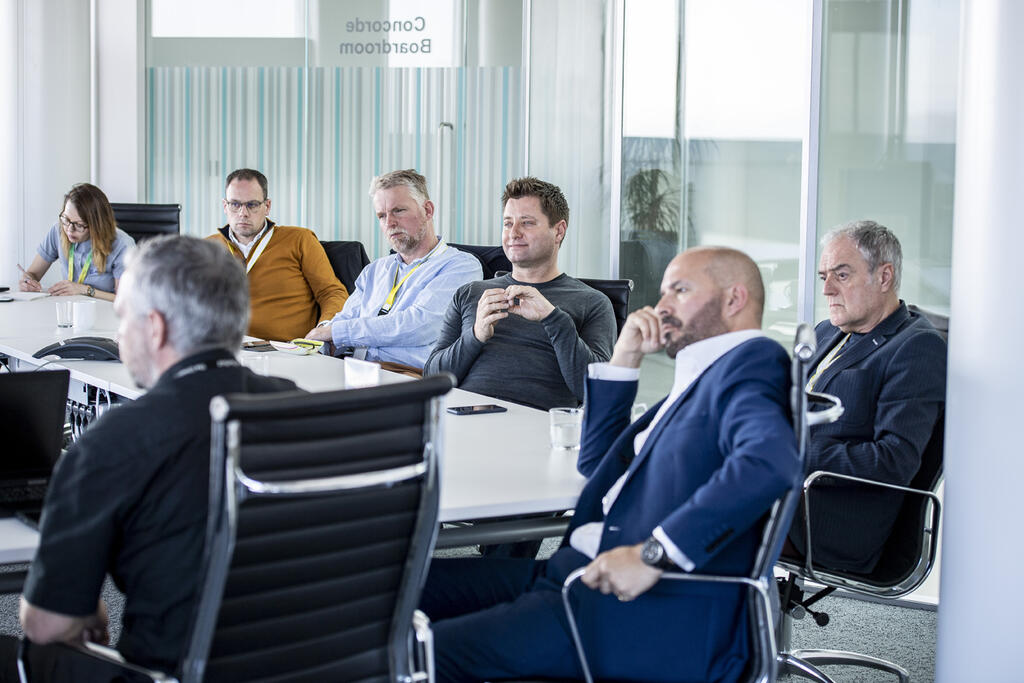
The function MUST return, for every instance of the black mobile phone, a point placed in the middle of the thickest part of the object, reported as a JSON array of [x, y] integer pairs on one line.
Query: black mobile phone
[[476, 410], [6, 299], [258, 345], [4, 288]]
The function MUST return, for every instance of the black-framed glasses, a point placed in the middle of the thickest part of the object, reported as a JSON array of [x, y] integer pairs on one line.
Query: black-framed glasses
[[73, 226], [236, 207]]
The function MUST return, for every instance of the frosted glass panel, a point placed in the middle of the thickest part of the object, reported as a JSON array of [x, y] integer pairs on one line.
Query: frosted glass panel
[[320, 148], [888, 132], [321, 123]]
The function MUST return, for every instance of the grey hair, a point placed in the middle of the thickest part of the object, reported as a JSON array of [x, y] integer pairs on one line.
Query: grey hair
[[199, 288], [409, 178], [876, 243]]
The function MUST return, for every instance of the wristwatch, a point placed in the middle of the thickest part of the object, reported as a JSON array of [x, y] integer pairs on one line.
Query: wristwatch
[[90, 291], [653, 554]]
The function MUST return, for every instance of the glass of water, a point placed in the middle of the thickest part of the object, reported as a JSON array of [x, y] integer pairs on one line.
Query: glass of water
[[566, 425]]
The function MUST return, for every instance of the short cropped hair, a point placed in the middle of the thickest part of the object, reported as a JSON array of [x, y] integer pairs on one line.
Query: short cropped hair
[[876, 243], [409, 178], [199, 288], [248, 174], [552, 201]]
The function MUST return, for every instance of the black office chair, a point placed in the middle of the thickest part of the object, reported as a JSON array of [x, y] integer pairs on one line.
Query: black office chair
[[12, 582], [347, 260], [762, 595], [492, 259], [617, 292], [323, 514], [906, 560], [143, 221]]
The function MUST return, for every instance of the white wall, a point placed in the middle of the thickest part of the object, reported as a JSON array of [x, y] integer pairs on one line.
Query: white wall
[[980, 630], [121, 87], [47, 96], [10, 159], [46, 114]]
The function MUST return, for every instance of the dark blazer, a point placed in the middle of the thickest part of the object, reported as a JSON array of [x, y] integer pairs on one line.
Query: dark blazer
[[715, 463], [892, 382]]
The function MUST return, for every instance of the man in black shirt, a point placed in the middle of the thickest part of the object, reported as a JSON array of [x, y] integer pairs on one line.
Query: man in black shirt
[[130, 497]]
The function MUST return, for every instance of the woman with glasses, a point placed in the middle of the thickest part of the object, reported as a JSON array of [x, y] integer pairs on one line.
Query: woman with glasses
[[88, 244]]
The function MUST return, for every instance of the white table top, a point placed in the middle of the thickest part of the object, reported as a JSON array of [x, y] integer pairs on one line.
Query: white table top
[[492, 465]]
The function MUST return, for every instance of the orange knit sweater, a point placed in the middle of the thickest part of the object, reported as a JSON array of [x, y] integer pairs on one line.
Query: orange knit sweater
[[291, 286]]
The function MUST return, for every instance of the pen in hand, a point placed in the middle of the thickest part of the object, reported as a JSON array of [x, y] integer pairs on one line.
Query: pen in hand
[[30, 284]]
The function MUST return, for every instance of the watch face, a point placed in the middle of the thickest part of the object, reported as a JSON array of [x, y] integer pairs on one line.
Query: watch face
[[652, 552]]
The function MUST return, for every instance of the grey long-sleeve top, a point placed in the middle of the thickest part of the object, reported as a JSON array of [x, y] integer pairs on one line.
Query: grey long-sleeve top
[[541, 364]]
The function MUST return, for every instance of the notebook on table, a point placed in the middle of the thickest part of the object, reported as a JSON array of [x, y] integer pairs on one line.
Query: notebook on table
[[32, 411]]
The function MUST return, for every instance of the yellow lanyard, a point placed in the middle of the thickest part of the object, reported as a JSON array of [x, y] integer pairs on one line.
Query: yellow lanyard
[[390, 301], [71, 265], [831, 358]]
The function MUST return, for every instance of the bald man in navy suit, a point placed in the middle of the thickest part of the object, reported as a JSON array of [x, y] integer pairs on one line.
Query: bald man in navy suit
[[684, 487], [888, 366]]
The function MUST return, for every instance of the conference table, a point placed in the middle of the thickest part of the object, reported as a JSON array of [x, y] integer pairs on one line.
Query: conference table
[[493, 466]]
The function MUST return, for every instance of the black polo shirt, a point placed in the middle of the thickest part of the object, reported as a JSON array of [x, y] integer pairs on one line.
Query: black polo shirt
[[130, 499]]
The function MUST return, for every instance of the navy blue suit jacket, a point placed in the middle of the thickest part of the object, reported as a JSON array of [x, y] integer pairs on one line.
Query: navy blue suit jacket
[[892, 382], [711, 469]]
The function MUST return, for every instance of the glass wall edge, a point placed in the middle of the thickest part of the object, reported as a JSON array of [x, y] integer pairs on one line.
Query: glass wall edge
[[613, 85], [809, 173]]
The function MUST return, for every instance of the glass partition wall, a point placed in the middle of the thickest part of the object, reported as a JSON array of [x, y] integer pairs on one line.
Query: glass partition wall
[[717, 104], [323, 95], [667, 123]]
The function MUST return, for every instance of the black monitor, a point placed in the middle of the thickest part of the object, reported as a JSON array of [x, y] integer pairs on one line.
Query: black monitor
[[32, 409]]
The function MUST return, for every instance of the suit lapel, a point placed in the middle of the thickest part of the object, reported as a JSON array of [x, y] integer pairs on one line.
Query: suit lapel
[[858, 350], [655, 434]]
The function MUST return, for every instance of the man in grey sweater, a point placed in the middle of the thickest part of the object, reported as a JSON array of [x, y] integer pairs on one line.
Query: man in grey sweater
[[527, 336]]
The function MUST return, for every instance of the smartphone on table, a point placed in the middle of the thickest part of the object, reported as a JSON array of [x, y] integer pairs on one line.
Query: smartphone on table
[[257, 345], [476, 410]]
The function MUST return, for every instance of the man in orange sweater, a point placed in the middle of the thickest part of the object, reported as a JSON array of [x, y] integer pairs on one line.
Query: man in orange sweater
[[292, 286]]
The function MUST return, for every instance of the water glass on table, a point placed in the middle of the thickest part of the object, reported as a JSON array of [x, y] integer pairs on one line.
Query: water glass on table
[[65, 313], [566, 426]]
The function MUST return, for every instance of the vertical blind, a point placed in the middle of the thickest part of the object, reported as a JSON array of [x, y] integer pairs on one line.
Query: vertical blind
[[320, 134]]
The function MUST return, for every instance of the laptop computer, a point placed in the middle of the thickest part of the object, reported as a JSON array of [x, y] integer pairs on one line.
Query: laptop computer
[[32, 410]]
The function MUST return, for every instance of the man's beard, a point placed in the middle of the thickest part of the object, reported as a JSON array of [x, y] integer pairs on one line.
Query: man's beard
[[405, 243], [706, 323]]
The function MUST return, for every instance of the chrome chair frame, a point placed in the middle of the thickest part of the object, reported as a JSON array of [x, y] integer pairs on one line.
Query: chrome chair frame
[[762, 594], [925, 560], [803, 661]]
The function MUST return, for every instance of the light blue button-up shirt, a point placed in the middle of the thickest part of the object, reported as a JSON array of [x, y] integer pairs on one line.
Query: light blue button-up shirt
[[409, 331]]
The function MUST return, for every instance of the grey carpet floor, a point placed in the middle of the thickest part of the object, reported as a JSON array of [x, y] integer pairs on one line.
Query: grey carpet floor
[[899, 634]]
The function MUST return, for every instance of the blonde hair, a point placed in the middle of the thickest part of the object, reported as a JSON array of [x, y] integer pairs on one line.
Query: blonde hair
[[93, 207]]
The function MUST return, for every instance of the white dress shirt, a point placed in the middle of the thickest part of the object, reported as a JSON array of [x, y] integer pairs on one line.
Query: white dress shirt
[[691, 363], [246, 248]]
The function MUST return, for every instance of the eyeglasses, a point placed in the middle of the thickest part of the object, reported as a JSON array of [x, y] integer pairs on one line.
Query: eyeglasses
[[236, 207], [72, 226]]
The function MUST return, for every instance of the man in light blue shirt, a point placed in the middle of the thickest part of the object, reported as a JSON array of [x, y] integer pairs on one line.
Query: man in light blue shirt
[[396, 310]]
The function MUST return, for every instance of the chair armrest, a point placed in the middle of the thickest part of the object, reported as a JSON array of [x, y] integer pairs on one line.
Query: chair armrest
[[764, 589], [422, 657], [828, 415], [83, 662], [809, 482]]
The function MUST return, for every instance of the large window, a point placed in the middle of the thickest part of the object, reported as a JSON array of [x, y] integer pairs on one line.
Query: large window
[[714, 119], [888, 131]]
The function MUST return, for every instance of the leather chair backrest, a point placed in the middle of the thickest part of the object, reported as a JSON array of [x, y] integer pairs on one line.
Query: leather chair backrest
[[347, 260], [313, 572], [492, 259], [143, 221], [617, 292]]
